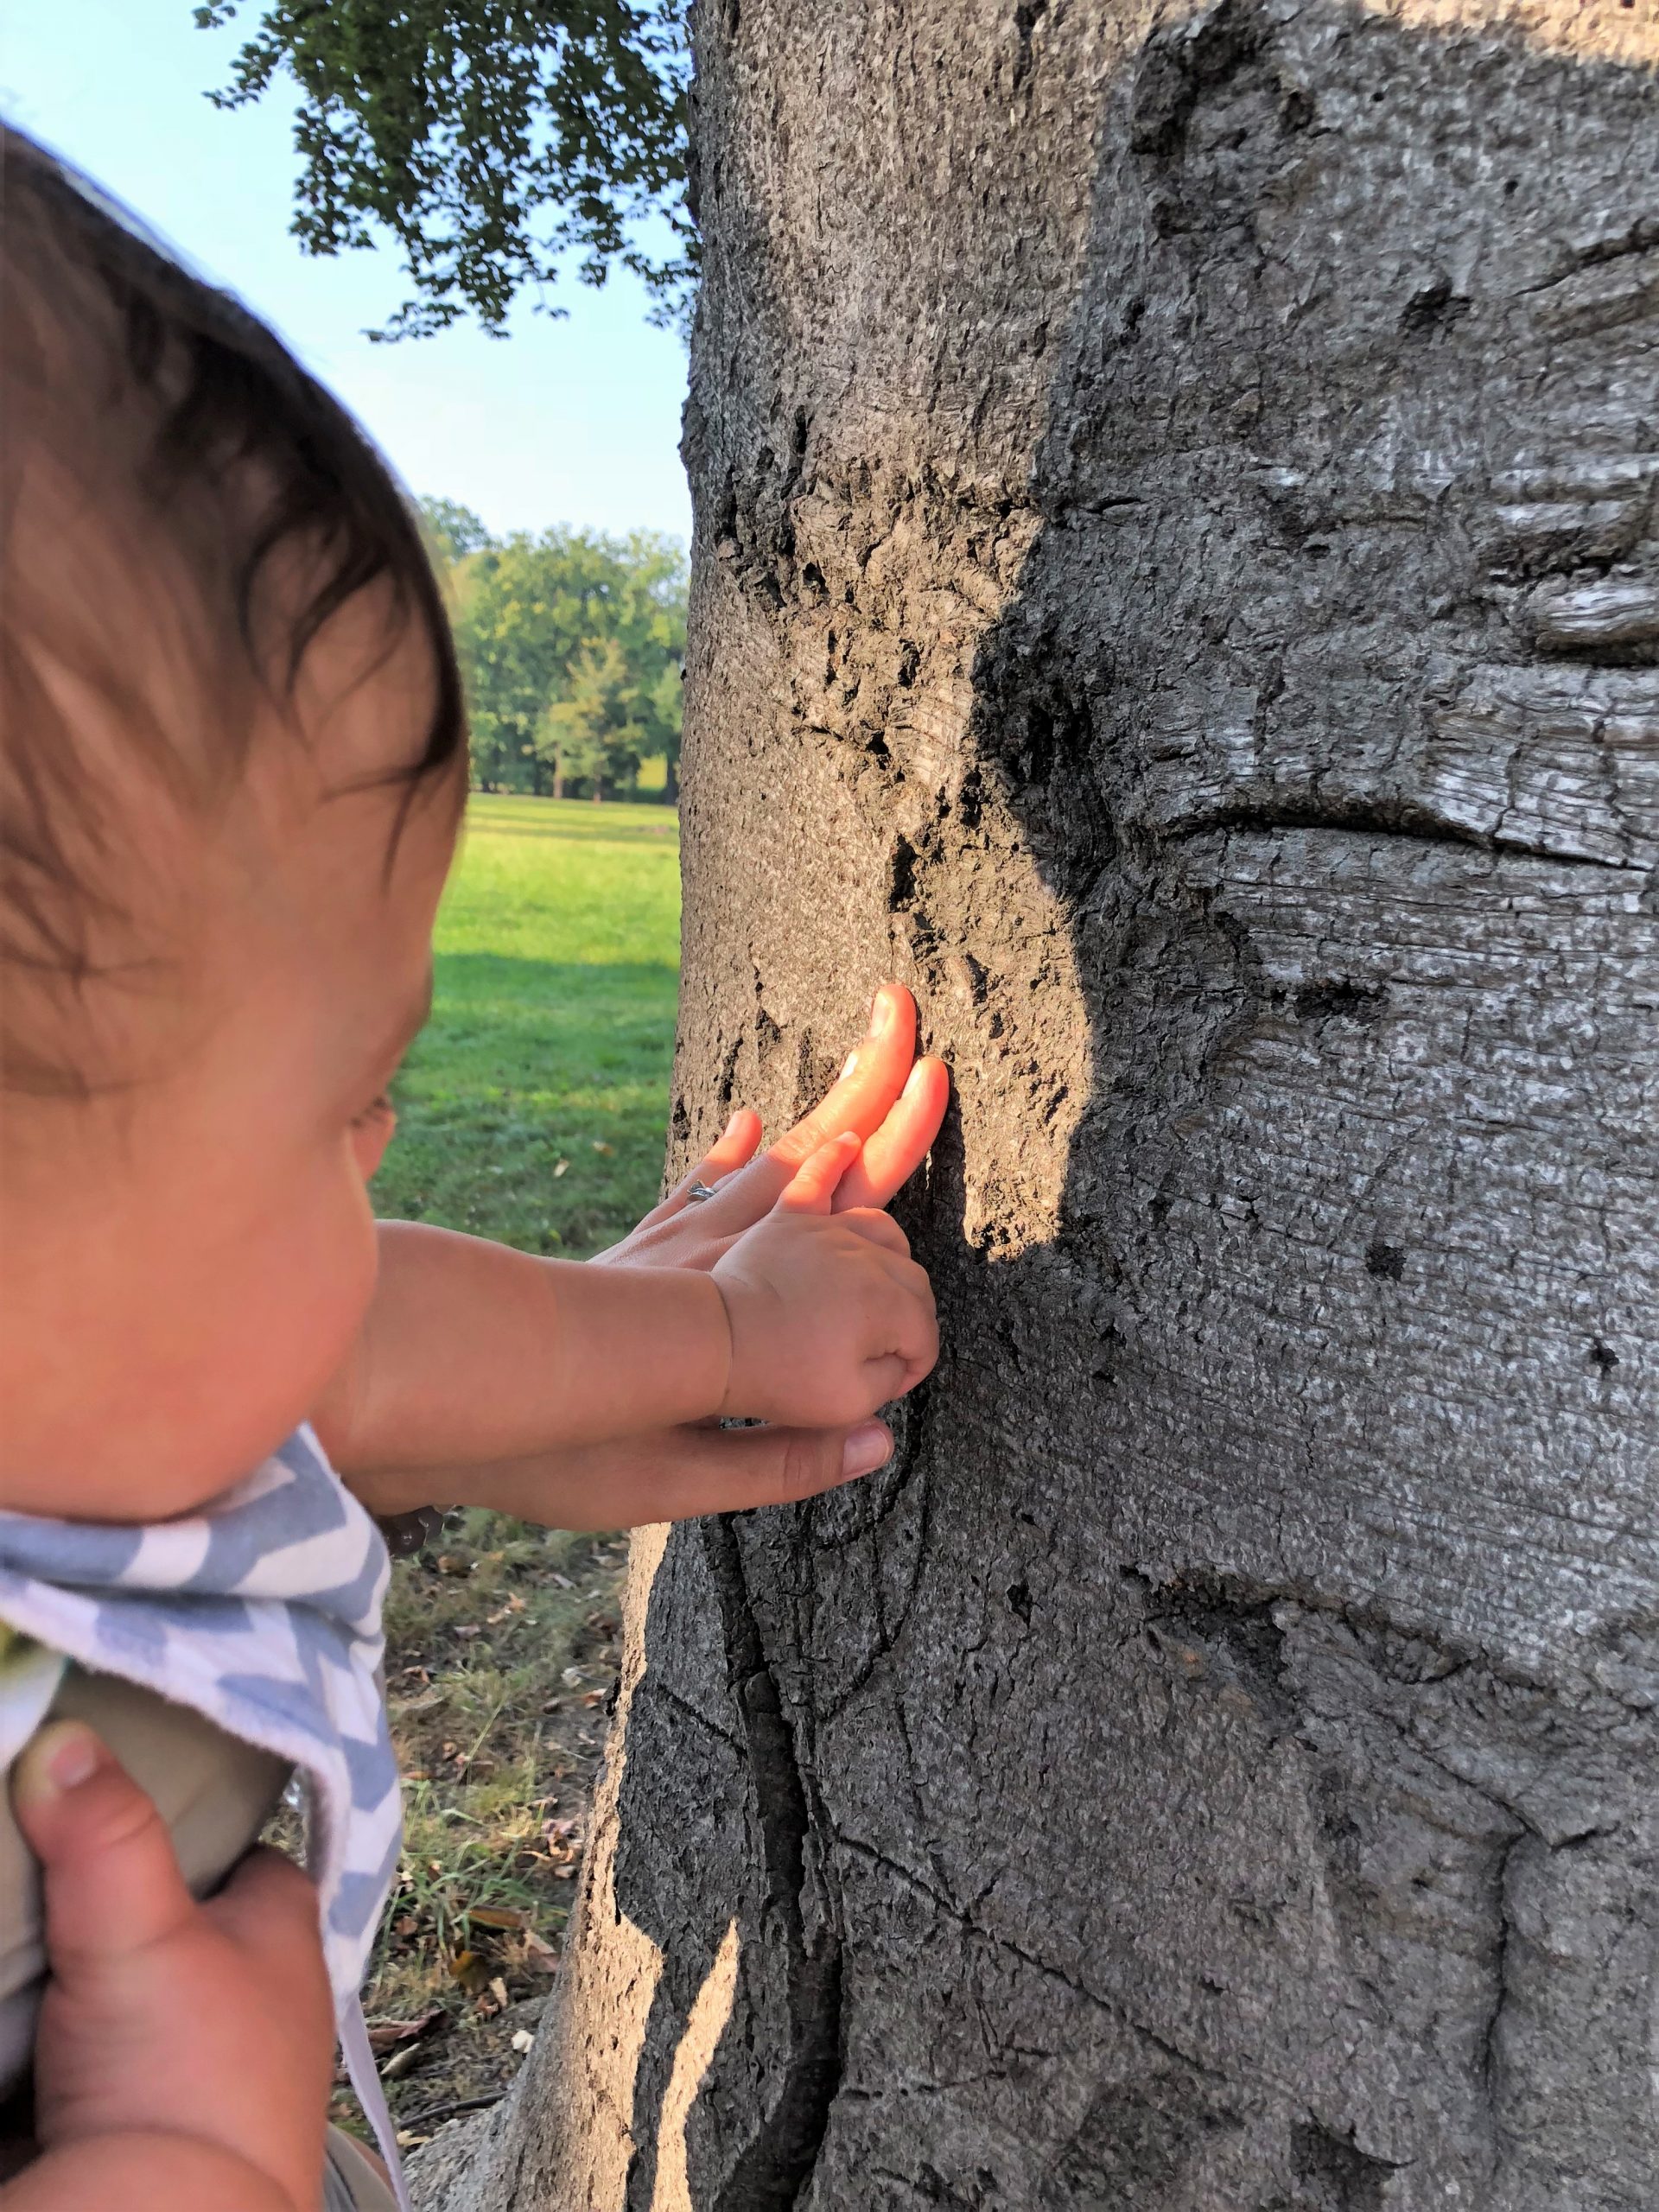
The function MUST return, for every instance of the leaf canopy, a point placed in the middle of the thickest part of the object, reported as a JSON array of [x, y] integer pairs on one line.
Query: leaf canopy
[[495, 140]]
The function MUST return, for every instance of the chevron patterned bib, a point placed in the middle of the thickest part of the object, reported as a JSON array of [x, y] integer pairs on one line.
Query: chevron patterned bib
[[262, 1611]]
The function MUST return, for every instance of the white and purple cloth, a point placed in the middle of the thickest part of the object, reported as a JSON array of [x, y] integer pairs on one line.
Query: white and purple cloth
[[261, 1612]]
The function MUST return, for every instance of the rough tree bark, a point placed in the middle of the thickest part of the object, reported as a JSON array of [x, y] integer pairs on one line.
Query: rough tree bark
[[1175, 579]]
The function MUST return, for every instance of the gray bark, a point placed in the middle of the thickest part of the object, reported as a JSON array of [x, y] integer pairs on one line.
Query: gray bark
[[1175, 579]]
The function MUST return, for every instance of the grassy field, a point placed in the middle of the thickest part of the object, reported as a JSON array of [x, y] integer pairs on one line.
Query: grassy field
[[532, 1108]]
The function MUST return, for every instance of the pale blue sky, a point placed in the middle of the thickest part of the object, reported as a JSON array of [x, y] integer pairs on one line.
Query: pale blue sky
[[574, 420]]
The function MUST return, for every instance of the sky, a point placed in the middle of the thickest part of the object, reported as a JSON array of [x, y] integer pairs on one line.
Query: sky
[[573, 421]]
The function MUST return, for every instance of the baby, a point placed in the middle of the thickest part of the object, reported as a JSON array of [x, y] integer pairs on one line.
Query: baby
[[231, 776]]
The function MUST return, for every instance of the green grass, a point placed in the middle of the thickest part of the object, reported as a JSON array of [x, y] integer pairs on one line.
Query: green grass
[[532, 1107]]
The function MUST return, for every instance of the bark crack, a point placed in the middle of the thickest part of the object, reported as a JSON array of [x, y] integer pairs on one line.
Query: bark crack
[[777, 2164], [1399, 826], [1490, 2056], [1098, 1999]]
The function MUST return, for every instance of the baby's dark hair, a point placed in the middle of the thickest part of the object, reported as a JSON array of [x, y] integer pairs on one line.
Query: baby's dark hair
[[173, 484]]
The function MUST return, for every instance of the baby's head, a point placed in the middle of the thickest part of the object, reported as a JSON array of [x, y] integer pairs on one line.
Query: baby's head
[[231, 756]]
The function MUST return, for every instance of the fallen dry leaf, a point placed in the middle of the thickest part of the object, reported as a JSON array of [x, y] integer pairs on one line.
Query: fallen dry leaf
[[497, 1916], [522, 2040], [470, 1971], [386, 2035]]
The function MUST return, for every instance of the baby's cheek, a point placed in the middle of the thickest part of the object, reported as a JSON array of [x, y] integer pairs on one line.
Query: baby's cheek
[[306, 1294]]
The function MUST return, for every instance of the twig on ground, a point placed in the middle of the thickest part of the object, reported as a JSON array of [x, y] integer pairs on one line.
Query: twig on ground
[[407, 2123]]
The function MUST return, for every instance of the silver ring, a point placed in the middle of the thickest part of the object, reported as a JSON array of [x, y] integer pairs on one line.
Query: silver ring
[[700, 1193]]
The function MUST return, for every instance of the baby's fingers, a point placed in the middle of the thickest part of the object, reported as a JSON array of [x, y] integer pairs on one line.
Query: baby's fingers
[[812, 1187], [112, 1884]]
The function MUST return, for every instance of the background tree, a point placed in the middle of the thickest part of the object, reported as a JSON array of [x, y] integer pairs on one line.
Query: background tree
[[571, 644], [611, 718], [1175, 579], [498, 143], [453, 531], [594, 729]]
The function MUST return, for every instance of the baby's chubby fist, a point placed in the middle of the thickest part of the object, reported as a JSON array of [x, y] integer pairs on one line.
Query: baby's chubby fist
[[830, 1316]]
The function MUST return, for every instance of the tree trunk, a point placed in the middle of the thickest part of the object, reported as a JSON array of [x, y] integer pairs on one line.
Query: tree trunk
[[1174, 580], [558, 775]]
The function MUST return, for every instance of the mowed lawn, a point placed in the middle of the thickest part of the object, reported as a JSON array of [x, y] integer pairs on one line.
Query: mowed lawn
[[532, 1107]]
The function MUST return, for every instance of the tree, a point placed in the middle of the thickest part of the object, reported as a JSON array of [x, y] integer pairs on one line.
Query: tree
[[594, 730], [494, 142], [453, 531], [1174, 578], [541, 620], [652, 630]]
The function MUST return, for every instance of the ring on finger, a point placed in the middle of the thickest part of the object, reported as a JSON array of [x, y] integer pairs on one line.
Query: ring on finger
[[700, 1193]]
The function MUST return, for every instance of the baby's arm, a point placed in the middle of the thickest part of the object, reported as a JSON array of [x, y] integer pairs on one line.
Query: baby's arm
[[475, 1355], [184, 2050], [474, 1350]]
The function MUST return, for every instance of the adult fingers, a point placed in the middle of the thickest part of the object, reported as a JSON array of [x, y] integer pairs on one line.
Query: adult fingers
[[893, 1151], [732, 1470], [812, 1187], [112, 1880], [735, 1146], [869, 1083], [860, 1101], [873, 1097]]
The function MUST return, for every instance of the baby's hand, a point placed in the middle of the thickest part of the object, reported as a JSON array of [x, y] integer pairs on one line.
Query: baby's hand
[[187, 2046], [830, 1316]]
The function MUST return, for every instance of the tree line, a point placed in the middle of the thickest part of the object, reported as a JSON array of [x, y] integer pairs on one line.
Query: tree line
[[571, 644]]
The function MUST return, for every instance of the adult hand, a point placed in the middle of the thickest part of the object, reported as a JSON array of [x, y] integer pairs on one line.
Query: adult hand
[[667, 1474], [184, 2050], [884, 1095]]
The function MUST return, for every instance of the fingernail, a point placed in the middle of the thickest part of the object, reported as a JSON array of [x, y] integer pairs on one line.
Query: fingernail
[[867, 1447], [850, 1136], [77, 1758], [848, 1065], [914, 1080], [882, 1013], [730, 1128], [66, 1754]]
